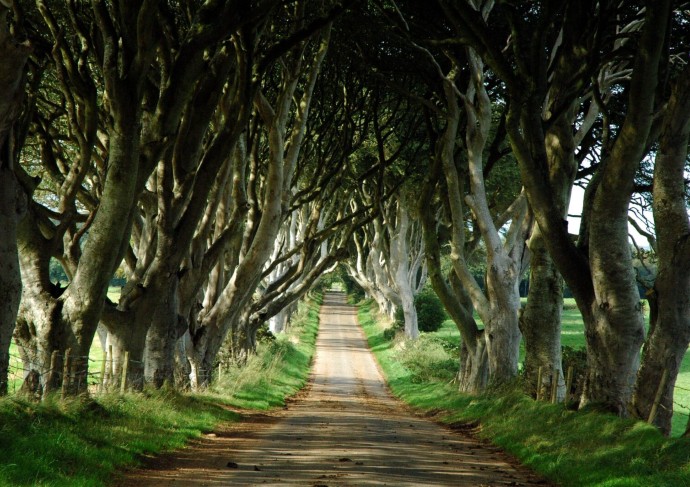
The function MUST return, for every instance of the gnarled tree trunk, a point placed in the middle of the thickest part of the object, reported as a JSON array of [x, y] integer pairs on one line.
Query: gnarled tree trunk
[[670, 325], [12, 199]]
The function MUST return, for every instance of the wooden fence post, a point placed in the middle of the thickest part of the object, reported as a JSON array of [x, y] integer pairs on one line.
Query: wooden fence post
[[539, 377], [657, 398], [103, 369], [65, 373], [125, 366], [52, 372], [568, 384]]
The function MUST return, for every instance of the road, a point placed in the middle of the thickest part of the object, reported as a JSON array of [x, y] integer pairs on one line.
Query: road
[[345, 430]]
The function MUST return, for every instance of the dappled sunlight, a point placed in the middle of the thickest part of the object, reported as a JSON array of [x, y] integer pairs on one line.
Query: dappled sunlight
[[348, 430]]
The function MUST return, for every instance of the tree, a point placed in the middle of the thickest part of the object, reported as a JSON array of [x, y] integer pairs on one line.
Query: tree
[[669, 326], [12, 200], [599, 272], [285, 131]]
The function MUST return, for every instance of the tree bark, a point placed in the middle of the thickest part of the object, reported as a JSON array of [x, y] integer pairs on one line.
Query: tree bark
[[540, 319], [600, 276], [12, 199], [234, 299], [670, 325], [10, 277]]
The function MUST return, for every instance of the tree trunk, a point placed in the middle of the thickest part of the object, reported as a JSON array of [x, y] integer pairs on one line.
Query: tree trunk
[[278, 322], [10, 276], [410, 314], [473, 374], [540, 320], [162, 337], [125, 336], [40, 330], [501, 330], [670, 324], [12, 199]]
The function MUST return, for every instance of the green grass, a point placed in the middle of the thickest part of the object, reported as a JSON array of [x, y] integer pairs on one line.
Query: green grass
[[82, 442], [278, 370], [570, 448], [572, 335]]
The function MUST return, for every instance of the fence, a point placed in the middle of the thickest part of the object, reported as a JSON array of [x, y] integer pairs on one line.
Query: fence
[[98, 375], [550, 393]]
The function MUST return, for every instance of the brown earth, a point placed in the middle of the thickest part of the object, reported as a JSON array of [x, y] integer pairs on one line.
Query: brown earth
[[346, 429]]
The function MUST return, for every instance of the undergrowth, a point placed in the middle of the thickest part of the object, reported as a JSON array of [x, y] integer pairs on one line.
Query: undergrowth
[[568, 447], [83, 442]]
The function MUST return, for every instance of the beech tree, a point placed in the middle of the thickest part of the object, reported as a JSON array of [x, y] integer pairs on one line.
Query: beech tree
[[12, 200], [599, 272], [53, 319], [669, 326], [285, 134]]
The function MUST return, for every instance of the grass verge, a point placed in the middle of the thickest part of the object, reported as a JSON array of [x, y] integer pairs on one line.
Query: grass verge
[[82, 442], [570, 448]]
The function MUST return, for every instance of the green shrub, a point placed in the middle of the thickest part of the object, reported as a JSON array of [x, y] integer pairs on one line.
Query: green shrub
[[430, 311], [427, 359], [396, 327], [352, 289]]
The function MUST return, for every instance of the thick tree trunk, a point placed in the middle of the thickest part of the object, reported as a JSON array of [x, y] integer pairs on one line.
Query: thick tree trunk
[[473, 374], [40, 330], [400, 264], [278, 323], [12, 200], [501, 330], [614, 329], [162, 337], [540, 320], [10, 276], [670, 324], [410, 314], [125, 338]]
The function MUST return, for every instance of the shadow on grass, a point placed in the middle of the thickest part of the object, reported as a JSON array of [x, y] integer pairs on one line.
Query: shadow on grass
[[570, 448]]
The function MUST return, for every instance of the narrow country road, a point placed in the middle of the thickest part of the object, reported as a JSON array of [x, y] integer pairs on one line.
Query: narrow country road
[[346, 430]]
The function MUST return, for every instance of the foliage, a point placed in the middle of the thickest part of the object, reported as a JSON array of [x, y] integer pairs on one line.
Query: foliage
[[57, 273], [430, 312], [569, 448], [427, 358], [353, 290], [263, 334]]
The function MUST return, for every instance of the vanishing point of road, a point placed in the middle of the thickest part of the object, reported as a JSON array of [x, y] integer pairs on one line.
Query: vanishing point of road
[[346, 429]]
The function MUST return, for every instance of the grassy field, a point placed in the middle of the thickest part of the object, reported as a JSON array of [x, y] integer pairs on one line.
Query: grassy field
[[572, 335], [570, 448], [83, 442]]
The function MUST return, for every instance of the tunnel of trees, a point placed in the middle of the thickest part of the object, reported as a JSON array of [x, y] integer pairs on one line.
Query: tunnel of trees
[[219, 157]]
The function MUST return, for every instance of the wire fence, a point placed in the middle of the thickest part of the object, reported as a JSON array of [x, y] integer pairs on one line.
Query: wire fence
[[33, 370], [551, 381]]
